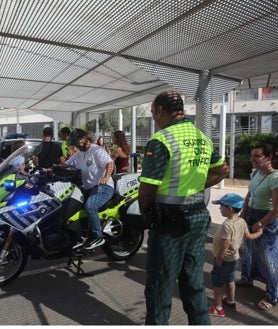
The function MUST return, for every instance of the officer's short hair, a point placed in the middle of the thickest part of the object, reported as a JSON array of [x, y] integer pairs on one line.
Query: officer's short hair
[[170, 101]]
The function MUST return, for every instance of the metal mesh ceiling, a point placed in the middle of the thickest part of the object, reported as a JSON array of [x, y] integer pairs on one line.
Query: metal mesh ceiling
[[95, 55]]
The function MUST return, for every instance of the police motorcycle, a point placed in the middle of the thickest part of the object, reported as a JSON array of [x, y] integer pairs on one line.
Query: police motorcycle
[[42, 216]]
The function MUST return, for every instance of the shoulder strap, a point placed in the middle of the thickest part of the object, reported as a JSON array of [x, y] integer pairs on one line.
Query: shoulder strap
[[254, 173]]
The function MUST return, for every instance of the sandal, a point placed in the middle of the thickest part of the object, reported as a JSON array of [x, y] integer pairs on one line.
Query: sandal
[[244, 283], [265, 305]]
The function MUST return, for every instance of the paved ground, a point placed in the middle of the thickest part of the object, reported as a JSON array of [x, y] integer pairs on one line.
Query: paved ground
[[112, 293]]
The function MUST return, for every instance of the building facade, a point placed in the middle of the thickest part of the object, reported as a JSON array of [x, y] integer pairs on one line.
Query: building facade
[[253, 111]]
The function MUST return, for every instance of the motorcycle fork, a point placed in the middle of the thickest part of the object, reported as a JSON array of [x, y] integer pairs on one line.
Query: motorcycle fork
[[8, 241]]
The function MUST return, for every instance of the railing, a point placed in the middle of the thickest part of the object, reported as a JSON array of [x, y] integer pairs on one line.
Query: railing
[[141, 141]]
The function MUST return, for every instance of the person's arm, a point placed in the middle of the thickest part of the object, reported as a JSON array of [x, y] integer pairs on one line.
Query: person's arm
[[224, 245], [253, 236], [147, 194], [243, 212], [216, 174], [153, 168], [271, 215], [115, 154], [107, 149], [36, 160], [108, 173]]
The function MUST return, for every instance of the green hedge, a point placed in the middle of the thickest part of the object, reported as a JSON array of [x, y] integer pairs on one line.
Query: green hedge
[[243, 147]]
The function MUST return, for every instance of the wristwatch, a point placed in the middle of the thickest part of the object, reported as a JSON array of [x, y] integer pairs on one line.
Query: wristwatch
[[260, 224]]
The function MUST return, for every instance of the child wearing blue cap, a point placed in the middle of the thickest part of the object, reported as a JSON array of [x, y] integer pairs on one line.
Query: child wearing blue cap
[[226, 244]]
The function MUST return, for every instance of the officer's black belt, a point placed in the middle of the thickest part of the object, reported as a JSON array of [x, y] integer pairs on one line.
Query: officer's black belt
[[176, 219], [189, 208]]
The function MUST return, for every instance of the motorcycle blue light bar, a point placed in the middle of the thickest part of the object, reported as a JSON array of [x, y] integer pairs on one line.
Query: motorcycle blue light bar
[[22, 203]]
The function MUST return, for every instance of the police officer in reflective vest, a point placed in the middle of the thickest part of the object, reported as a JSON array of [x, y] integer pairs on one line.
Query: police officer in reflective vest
[[179, 163]]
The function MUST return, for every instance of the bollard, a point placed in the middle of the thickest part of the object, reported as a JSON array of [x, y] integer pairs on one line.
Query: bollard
[[134, 156]]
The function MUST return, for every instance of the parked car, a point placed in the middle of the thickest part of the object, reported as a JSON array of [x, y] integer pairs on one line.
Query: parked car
[[8, 145], [27, 152]]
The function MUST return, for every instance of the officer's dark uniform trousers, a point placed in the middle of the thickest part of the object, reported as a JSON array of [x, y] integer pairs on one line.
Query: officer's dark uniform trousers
[[172, 257]]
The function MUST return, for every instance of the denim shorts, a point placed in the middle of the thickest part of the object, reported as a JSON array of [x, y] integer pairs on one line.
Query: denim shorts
[[225, 273]]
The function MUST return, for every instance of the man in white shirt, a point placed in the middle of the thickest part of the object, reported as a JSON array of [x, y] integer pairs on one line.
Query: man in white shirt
[[96, 167]]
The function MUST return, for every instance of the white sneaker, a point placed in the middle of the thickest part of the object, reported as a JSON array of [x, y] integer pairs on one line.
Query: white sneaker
[[92, 243]]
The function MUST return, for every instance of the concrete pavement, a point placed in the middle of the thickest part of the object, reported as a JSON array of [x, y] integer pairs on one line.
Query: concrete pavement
[[112, 293]]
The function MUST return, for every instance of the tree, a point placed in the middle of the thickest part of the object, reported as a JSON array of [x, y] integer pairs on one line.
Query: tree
[[248, 141], [108, 122]]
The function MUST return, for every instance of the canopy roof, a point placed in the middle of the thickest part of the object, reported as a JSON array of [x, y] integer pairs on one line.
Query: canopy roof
[[60, 57]]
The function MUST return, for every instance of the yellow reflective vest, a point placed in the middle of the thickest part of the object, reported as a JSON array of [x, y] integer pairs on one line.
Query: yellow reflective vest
[[190, 152]]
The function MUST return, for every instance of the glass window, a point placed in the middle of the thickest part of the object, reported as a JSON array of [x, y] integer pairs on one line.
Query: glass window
[[247, 94], [269, 93]]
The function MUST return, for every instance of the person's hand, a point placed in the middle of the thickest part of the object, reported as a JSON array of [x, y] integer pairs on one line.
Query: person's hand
[[257, 228], [36, 161], [103, 181], [218, 262], [47, 170], [62, 159]]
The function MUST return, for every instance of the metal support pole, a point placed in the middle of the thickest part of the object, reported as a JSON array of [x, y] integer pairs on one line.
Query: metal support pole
[[97, 127], [133, 133], [18, 127], [120, 120], [55, 129], [222, 143], [232, 134], [204, 103], [204, 109]]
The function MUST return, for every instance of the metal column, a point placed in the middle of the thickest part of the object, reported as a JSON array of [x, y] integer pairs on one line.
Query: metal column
[[97, 128], [232, 96], [56, 129], [120, 120], [133, 134], [222, 144], [204, 103]]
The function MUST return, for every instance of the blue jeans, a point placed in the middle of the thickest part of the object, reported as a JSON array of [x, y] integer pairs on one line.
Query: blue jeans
[[99, 195], [225, 273]]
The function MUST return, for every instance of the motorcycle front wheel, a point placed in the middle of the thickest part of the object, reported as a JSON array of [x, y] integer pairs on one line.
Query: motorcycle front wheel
[[125, 246], [13, 263]]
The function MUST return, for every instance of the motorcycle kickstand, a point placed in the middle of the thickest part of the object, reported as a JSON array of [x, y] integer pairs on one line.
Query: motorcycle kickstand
[[79, 270]]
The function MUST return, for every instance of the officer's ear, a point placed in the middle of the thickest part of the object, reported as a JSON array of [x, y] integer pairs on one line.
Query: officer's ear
[[159, 111]]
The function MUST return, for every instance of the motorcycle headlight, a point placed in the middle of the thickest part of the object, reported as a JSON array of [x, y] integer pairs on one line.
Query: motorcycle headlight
[[9, 185]]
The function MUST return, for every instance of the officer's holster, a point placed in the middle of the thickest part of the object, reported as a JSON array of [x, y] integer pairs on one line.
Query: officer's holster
[[175, 219]]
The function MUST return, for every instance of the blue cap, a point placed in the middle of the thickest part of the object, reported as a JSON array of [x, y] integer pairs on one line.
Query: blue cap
[[231, 200]]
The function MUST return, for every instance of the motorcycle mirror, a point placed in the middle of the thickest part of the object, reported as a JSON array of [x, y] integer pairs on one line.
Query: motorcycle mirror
[[9, 185]]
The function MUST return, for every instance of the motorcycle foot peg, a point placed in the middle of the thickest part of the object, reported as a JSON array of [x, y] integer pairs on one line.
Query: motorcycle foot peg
[[88, 252], [78, 253]]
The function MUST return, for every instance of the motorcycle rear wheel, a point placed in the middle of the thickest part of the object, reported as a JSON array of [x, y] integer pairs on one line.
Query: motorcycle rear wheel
[[14, 262], [126, 246]]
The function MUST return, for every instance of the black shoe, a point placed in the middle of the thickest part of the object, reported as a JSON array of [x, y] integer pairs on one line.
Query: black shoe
[[92, 243]]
